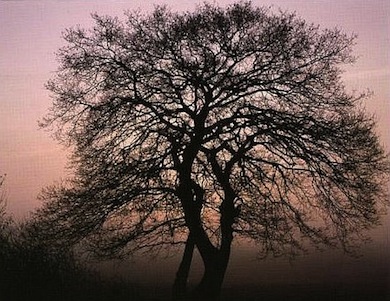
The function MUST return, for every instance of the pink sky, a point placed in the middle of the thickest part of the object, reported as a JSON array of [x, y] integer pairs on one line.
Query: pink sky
[[30, 33]]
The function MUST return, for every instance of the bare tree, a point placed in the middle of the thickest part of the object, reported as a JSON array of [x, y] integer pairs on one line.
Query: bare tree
[[192, 127]]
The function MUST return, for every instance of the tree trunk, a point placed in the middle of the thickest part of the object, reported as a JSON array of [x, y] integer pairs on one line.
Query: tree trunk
[[215, 266], [179, 291], [215, 260]]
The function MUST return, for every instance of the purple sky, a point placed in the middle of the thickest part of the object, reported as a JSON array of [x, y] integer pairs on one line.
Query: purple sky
[[30, 33]]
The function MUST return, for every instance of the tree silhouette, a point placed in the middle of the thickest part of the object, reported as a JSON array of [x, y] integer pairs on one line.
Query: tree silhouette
[[190, 128]]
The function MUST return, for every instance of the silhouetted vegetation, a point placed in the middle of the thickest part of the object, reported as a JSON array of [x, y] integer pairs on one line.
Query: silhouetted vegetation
[[190, 128], [31, 271]]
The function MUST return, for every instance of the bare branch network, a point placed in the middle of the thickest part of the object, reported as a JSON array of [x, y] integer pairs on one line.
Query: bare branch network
[[213, 122]]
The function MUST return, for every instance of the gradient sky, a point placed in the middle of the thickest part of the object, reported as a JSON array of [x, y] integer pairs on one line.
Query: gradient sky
[[30, 33]]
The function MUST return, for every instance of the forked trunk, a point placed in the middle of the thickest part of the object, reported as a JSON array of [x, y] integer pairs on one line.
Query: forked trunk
[[215, 266], [215, 260]]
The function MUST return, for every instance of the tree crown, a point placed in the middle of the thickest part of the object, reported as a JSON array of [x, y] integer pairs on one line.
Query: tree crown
[[244, 108]]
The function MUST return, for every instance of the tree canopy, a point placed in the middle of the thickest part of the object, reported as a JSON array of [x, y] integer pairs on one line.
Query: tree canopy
[[218, 122]]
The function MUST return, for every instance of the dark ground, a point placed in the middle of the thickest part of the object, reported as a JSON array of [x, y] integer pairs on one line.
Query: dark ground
[[120, 291], [306, 292], [281, 292]]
